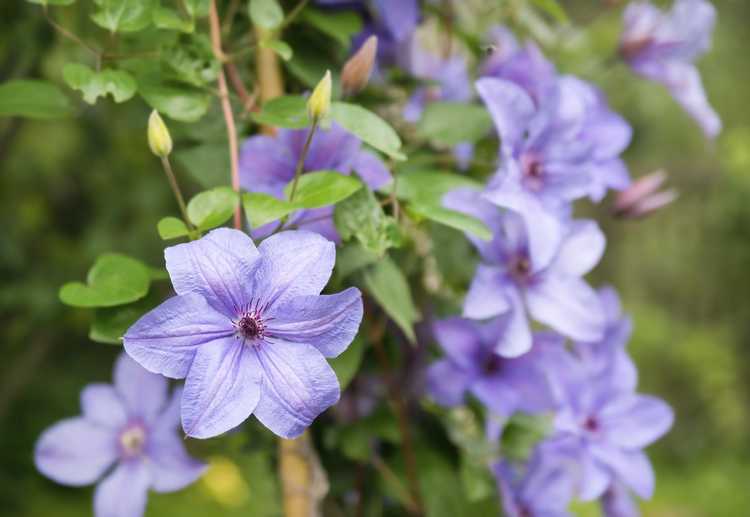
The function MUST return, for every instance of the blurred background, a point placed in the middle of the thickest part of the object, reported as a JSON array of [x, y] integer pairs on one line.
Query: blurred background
[[72, 189]]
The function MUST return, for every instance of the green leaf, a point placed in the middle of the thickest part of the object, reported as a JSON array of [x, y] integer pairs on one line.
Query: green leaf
[[51, 2], [387, 284], [431, 185], [347, 364], [341, 26], [184, 104], [353, 257], [171, 228], [369, 127], [288, 111], [266, 13], [33, 99], [113, 280], [197, 8], [552, 8], [110, 324], [123, 15], [263, 208], [213, 207], [452, 218], [451, 123], [280, 47], [119, 83], [322, 188], [165, 18], [362, 217]]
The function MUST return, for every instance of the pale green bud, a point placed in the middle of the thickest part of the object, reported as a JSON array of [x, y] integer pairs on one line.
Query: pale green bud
[[159, 139], [319, 103]]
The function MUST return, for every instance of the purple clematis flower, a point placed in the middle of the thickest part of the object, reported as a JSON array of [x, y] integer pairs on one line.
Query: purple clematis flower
[[128, 435], [268, 163], [662, 46], [604, 428], [249, 331], [544, 488], [503, 385], [518, 274], [617, 502], [564, 149]]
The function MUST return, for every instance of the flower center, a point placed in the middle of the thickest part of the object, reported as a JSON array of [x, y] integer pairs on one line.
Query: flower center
[[630, 50], [533, 172], [132, 440], [493, 364], [251, 324], [520, 268], [591, 424]]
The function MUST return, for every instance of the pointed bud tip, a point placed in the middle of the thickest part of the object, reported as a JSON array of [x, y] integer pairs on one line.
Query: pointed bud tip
[[159, 139], [319, 103], [357, 70]]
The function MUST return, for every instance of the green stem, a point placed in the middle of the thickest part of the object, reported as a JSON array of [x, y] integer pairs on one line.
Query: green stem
[[293, 14], [176, 191], [302, 157]]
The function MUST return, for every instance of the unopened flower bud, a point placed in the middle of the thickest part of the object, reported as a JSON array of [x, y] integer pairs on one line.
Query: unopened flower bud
[[159, 139], [319, 103], [357, 70], [643, 197]]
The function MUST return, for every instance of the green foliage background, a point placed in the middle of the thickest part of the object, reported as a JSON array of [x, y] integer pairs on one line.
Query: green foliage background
[[71, 189]]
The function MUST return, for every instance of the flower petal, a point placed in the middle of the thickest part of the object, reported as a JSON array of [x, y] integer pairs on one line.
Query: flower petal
[[631, 468], [515, 338], [399, 16], [510, 106], [165, 339], [102, 405], [636, 421], [75, 451], [298, 385], [447, 382], [221, 390], [582, 248], [294, 263], [460, 339], [486, 297], [144, 393], [372, 170], [266, 164], [327, 322], [568, 305], [219, 266], [124, 492], [171, 466]]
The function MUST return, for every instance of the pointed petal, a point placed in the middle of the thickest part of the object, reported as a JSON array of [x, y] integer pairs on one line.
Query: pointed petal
[[460, 339], [635, 421], [75, 451], [595, 478], [102, 405], [327, 322], [582, 248], [266, 164], [372, 170], [219, 266], [515, 338], [124, 492], [221, 390], [510, 106], [171, 466], [165, 339], [399, 16], [298, 385], [486, 297], [632, 468], [567, 304], [447, 382], [294, 263], [144, 393]]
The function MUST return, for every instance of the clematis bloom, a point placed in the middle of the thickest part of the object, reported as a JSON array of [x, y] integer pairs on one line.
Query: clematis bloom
[[249, 331], [128, 436]]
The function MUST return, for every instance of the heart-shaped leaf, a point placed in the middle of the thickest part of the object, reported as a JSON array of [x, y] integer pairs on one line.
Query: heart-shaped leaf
[[113, 280], [322, 188], [213, 207], [119, 83]]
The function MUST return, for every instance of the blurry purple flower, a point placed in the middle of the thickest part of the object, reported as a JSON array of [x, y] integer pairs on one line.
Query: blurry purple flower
[[517, 274], [662, 46], [249, 331], [361, 398], [552, 154], [643, 197], [604, 429], [617, 502], [543, 488], [503, 385], [131, 425], [268, 163]]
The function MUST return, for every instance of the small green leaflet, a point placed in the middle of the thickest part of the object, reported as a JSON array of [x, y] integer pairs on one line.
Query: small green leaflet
[[431, 185], [322, 188], [288, 111], [262, 208], [123, 15], [266, 13], [180, 103], [171, 228], [166, 18], [452, 123], [280, 47], [213, 207], [362, 217], [452, 218], [387, 284], [341, 26], [114, 279], [369, 127], [111, 323], [33, 99], [119, 83]]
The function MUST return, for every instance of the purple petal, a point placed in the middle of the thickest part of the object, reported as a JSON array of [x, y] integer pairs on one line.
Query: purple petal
[[595, 478], [102, 405], [266, 164], [400, 17], [510, 106], [298, 385], [171, 466], [372, 170], [222, 388], [617, 502], [636, 421], [581, 250], [295, 263], [548, 486], [486, 297], [165, 339], [515, 338], [497, 395], [460, 339], [124, 492], [219, 267], [75, 451], [144, 393], [471, 202], [568, 305], [327, 322], [447, 382], [631, 468], [333, 149]]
